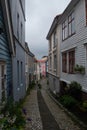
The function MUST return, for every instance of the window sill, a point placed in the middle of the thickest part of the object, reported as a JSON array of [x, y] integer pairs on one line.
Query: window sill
[[68, 37]]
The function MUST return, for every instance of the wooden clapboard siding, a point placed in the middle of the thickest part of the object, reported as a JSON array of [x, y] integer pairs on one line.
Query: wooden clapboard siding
[[5, 53], [77, 41]]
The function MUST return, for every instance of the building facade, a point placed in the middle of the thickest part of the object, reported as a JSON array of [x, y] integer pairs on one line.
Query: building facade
[[17, 8], [74, 44], [54, 56], [72, 49], [6, 51], [31, 67], [27, 65]]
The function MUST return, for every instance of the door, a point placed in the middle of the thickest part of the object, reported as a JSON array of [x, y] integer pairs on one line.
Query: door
[[2, 81]]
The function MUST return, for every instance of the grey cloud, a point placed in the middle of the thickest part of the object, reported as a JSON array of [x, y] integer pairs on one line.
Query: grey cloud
[[39, 16]]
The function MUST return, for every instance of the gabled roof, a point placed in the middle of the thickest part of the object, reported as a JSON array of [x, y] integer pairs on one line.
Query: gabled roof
[[68, 9], [53, 26], [8, 24], [59, 18]]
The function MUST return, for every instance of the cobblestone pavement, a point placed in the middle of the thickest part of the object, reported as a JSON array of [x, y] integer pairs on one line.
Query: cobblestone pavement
[[33, 115], [34, 121], [63, 120]]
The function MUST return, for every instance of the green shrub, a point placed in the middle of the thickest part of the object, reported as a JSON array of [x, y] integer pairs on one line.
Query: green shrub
[[84, 105], [75, 90], [68, 101], [11, 116]]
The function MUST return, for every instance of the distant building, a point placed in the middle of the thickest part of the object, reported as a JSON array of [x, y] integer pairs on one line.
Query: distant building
[[54, 56], [27, 65], [31, 66], [41, 67]]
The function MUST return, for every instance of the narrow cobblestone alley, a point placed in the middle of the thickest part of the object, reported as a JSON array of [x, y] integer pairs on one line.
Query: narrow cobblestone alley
[[44, 114]]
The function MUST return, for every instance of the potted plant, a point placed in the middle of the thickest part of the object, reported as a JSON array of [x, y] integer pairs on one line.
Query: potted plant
[[79, 69]]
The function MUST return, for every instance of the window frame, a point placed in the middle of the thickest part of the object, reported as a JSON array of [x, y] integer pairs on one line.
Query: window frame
[[64, 62], [71, 55], [86, 10], [50, 44], [55, 62], [18, 25], [54, 38], [71, 19], [64, 30]]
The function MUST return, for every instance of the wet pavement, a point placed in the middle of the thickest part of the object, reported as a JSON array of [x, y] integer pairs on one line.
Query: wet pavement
[[44, 114]]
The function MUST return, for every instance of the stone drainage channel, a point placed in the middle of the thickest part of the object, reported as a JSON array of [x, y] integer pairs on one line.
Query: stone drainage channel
[[48, 121]]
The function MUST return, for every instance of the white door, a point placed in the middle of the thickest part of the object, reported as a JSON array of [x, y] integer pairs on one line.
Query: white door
[[2, 81]]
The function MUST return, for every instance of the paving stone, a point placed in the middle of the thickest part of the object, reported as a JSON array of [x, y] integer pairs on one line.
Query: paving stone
[[31, 106], [33, 111]]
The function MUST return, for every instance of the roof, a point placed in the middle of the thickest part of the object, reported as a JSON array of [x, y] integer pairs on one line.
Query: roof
[[53, 26], [31, 54], [59, 18], [68, 9]]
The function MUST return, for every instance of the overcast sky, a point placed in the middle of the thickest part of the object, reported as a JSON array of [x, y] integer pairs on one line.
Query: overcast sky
[[39, 17]]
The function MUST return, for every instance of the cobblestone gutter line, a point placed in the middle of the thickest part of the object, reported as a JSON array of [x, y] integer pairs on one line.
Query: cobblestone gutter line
[[49, 122], [63, 120], [61, 117], [32, 112]]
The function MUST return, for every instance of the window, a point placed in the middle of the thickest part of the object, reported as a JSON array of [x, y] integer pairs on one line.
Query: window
[[54, 39], [86, 10], [71, 24], [50, 44], [21, 71], [55, 62], [21, 31], [18, 26], [50, 61], [18, 72], [64, 62], [64, 30], [71, 61]]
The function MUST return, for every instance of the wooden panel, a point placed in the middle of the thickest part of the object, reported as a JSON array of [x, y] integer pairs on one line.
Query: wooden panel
[[5, 53]]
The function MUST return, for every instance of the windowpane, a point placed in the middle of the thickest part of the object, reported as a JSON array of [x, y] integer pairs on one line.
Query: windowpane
[[64, 62], [71, 61], [50, 44], [71, 24], [55, 62], [54, 39], [18, 72], [70, 29], [64, 30], [18, 26]]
